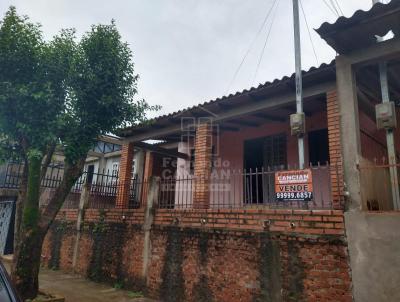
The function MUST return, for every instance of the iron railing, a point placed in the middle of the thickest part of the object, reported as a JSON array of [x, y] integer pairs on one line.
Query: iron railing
[[11, 175], [377, 185], [103, 186], [244, 188], [103, 191], [250, 188]]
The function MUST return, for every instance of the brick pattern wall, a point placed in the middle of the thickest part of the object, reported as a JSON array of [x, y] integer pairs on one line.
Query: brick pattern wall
[[57, 250], [193, 265], [335, 150], [130, 216], [125, 176], [202, 166], [212, 255], [308, 222]]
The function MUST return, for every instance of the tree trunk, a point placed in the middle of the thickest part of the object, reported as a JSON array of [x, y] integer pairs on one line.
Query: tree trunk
[[30, 238], [35, 224], [71, 175], [19, 206], [27, 264]]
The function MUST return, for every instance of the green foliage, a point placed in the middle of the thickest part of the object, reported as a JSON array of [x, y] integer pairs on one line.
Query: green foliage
[[63, 91], [118, 285], [24, 91], [132, 294], [100, 226]]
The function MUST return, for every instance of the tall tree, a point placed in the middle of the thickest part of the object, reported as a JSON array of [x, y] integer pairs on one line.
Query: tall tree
[[57, 94]]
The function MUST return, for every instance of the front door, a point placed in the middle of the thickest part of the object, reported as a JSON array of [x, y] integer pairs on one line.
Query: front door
[[275, 158], [263, 156]]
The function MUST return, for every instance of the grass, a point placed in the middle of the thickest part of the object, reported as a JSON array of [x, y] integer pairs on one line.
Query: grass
[[135, 294]]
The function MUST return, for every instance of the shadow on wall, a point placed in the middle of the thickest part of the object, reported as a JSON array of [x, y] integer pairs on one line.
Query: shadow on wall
[[191, 264]]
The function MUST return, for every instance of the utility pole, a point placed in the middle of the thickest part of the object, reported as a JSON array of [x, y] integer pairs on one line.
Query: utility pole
[[299, 82], [394, 180]]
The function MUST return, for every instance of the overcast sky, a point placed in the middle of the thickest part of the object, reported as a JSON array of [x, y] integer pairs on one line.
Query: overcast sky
[[186, 51]]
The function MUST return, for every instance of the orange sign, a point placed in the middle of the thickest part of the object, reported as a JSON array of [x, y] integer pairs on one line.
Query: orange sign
[[294, 185]]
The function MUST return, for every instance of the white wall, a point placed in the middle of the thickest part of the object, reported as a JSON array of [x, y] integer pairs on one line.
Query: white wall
[[183, 188], [112, 162]]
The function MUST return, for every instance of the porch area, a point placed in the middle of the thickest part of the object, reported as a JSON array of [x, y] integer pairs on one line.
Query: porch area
[[235, 151]]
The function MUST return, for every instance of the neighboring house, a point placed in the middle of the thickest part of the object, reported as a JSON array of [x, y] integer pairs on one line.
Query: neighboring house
[[105, 157]]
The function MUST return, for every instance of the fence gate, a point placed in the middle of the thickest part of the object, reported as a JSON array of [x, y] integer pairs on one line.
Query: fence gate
[[6, 209]]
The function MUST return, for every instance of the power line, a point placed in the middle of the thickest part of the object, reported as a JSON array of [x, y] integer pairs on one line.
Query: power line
[[334, 7], [340, 9], [265, 44], [251, 45], [309, 32], [331, 9]]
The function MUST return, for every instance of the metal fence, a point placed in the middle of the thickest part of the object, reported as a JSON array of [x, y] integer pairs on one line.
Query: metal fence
[[103, 186], [376, 184], [103, 191], [227, 188], [10, 175], [245, 188]]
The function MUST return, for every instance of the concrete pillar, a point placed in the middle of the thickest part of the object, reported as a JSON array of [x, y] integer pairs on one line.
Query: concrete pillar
[[83, 201], [152, 198], [124, 176], [335, 149], [102, 165], [202, 166], [350, 126], [139, 163], [147, 174]]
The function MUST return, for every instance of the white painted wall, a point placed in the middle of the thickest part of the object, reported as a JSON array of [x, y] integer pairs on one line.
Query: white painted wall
[[183, 188]]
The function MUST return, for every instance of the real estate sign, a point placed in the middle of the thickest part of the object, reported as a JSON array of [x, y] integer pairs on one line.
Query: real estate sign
[[295, 185]]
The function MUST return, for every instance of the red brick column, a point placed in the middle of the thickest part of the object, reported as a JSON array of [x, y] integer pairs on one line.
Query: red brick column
[[202, 166], [125, 176], [147, 173], [335, 150]]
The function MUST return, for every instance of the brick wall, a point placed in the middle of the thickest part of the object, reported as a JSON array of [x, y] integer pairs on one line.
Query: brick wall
[[211, 265], [307, 222], [335, 149], [211, 255], [202, 166], [125, 176]]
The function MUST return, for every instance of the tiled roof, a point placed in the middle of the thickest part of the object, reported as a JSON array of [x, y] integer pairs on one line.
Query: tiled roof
[[359, 30], [266, 85]]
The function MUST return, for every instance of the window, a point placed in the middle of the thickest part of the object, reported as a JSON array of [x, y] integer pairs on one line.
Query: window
[[192, 159], [134, 167], [318, 147], [115, 169]]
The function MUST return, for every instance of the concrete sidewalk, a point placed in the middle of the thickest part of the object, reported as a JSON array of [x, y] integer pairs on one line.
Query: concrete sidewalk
[[77, 289]]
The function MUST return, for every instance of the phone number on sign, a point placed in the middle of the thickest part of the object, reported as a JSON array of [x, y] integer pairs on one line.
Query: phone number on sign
[[294, 195]]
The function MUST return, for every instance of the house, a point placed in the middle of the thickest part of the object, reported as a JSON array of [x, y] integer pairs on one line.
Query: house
[[248, 134], [228, 153], [219, 208]]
